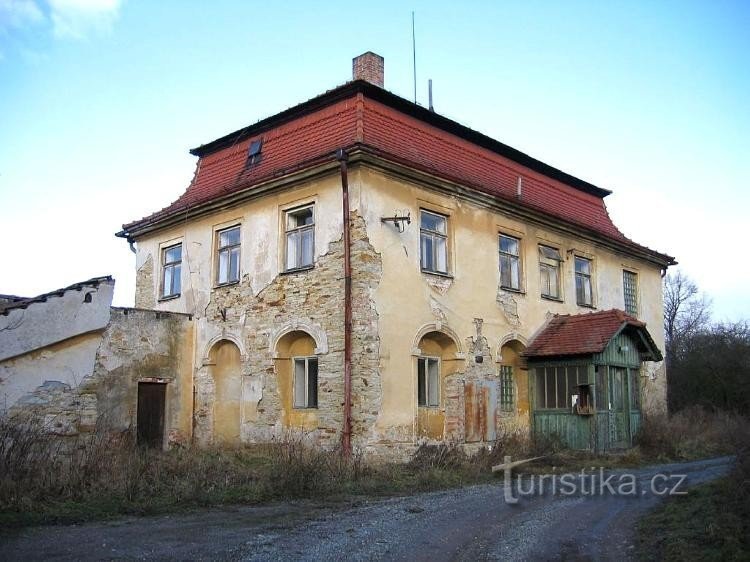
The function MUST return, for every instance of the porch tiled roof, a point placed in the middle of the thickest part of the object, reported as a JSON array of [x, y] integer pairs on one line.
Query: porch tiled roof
[[580, 334]]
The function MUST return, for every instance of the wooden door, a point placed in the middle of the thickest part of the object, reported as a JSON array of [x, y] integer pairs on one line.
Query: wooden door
[[150, 422], [618, 408]]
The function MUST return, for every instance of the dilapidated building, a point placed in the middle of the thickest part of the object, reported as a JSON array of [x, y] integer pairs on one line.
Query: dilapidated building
[[370, 272]]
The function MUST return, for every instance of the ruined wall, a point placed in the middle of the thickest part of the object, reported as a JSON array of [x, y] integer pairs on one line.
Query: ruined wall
[[91, 381], [145, 346]]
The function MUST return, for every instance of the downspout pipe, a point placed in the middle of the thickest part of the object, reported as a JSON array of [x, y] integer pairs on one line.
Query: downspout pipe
[[346, 438]]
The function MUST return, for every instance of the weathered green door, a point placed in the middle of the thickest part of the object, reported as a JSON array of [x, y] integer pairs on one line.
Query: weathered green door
[[619, 435]]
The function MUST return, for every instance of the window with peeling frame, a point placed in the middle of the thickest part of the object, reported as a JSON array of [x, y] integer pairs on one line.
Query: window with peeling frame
[[305, 382], [549, 272], [300, 238], [428, 381], [171, 271], [584, 295], [228, 255], [510, 263], [433, 242]]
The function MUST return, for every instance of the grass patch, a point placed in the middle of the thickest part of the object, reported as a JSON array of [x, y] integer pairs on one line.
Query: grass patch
[[712, 522]]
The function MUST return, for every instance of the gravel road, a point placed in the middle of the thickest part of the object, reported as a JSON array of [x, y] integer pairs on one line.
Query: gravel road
[[473, 523]]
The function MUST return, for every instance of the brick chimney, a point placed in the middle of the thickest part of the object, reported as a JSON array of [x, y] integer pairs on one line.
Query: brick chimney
[[370, 67]]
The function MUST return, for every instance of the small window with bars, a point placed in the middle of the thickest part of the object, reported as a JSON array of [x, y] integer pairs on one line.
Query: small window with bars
[[630, 291], [507, 389]]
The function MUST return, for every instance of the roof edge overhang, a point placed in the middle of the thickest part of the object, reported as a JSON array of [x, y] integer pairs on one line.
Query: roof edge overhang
[[360, 153], [651, 351], [350, 89]]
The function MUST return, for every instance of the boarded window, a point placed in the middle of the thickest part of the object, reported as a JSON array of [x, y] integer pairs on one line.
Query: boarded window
[[507, 389], [228, 256], [171, 271], [300, 238], [305, 382], [549, 271], [630, 291], [510, 263], [428, 381], [433, 242], [584, 296]]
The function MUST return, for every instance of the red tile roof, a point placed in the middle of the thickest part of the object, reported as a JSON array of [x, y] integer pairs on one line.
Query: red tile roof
[[581, 334], [397, 130]]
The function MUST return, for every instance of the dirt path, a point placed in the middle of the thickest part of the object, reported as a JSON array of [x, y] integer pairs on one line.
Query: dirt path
[[467, 524]]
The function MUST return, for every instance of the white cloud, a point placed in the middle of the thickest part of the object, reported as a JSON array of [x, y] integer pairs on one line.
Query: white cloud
[[17, 14], [77, 19]]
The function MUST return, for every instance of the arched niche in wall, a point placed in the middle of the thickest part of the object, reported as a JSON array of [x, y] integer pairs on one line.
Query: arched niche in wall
[[437, 358], [514, 377], [224, 366], [296, 354]]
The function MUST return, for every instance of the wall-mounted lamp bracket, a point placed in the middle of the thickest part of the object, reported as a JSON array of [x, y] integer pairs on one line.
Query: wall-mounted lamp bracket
[[399, 220]]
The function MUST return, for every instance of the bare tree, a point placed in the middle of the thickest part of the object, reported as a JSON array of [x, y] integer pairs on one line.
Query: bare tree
[[686, 311]]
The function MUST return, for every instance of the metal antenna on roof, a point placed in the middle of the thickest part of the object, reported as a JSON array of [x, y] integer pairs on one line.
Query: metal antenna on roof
[[414, 55]]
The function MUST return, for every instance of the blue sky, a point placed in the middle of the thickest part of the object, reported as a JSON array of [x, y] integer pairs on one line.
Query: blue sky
[[101, 100]]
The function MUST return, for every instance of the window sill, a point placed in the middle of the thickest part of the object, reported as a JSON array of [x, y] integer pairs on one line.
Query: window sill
[[553, 299], [169, 298], [297, 270], [305, 408], [583, 305], [429, 407], [227, 284], [512, 290], [437, 274]]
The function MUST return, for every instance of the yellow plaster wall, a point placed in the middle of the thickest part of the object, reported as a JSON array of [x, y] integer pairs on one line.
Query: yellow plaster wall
[[407, 299]]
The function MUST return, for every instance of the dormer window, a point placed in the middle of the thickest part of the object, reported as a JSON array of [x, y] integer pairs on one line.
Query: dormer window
[[253, 152]]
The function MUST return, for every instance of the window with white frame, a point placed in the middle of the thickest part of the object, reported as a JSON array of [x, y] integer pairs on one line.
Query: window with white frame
[[171, 271], [228, 255], [428, 381], [584, 294], [630, 291], [433, 242], [510, 263], [549, 271], [305, 382], [300, 238]]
